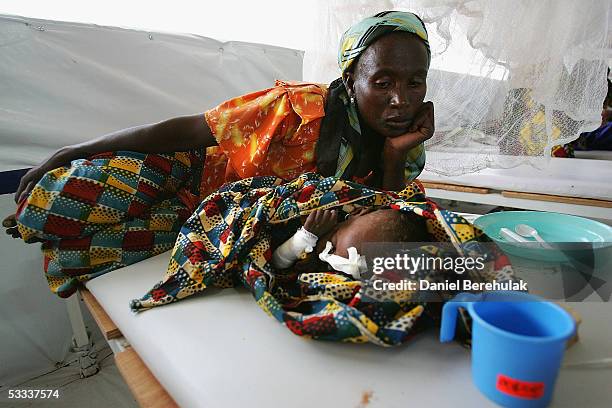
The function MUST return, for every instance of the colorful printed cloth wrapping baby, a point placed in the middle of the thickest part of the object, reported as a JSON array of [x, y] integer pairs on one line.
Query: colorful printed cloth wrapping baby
[[229, 240]]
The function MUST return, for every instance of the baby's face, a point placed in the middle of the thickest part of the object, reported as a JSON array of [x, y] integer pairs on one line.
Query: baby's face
[[356, 231]]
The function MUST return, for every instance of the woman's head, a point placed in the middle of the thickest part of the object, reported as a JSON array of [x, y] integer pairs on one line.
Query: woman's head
[[384, 61]]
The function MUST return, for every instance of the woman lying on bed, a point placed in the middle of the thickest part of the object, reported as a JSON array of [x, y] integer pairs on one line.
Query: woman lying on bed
[[115, 200]]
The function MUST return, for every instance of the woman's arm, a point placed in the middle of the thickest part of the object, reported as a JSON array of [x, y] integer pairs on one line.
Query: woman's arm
[[172, 135], [396, 149]]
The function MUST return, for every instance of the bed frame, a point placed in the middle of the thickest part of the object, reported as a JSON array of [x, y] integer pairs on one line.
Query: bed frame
[[147, 391]]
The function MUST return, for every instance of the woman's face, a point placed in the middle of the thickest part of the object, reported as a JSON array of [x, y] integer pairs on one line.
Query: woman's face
[[388, 83]]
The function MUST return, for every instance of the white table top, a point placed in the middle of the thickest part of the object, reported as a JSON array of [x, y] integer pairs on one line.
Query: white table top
[[221, 350]]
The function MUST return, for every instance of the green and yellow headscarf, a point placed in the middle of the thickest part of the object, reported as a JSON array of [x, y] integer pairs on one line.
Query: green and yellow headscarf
[[339, 146], [357, 38]]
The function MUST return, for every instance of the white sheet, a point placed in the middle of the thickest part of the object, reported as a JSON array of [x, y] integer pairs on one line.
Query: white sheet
[[221, 350], [62, 83], [557, 176]]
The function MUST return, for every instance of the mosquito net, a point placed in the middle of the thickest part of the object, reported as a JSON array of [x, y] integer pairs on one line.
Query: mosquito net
[[510, 80]]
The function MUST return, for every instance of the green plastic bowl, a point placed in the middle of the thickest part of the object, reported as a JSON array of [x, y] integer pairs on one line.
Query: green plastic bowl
[[552, 227]]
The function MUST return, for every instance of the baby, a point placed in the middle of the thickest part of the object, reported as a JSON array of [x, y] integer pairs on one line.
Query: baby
[[323, 241]]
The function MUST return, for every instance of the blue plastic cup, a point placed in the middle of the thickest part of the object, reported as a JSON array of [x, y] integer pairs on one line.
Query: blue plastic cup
[[518, 341]]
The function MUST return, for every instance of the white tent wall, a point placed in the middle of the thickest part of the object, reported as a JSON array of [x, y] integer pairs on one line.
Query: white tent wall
[[62, 83], [285, 23]]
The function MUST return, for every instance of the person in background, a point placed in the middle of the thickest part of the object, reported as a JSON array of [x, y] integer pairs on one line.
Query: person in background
[[598, 139]]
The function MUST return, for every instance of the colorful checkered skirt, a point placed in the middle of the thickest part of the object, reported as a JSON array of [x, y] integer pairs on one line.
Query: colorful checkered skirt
[[106, 212]]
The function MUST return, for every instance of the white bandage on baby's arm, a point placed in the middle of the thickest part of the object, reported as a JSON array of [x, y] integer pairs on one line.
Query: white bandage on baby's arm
[[301, 243]]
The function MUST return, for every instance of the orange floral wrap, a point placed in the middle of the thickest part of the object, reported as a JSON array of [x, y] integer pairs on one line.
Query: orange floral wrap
[[272, 132]]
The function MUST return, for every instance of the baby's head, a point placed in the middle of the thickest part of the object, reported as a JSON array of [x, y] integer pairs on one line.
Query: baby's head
[[385, 225]]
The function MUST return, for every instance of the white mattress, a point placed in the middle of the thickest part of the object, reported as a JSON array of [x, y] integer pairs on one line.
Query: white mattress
[[221, 350], [558, 176]]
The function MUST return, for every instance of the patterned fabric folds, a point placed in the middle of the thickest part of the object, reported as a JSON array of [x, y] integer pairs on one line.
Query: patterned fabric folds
[[229, 241], [109, 211], [272, 132]]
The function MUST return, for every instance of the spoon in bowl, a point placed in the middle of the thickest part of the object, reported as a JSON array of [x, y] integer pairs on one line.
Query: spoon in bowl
[[525, 230]]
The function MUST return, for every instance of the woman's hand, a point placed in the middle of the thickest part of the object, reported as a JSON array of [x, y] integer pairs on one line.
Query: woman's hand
[[177, 134], [28, 181], [320, 222], [422, 129], [10, 223], [60, 158], [396, 148]]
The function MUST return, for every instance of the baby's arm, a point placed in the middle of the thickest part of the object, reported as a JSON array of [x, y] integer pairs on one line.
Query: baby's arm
[[317, 224]]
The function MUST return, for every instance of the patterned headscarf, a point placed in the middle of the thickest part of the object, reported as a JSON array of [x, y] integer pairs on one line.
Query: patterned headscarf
[[357, 38], [340, 147]]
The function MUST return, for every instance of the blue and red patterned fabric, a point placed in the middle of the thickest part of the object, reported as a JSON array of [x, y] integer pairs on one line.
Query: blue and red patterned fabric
[[228, 241], [107, 212]]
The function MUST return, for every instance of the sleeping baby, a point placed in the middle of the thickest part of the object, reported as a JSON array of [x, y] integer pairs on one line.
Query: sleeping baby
[[323, 242]]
